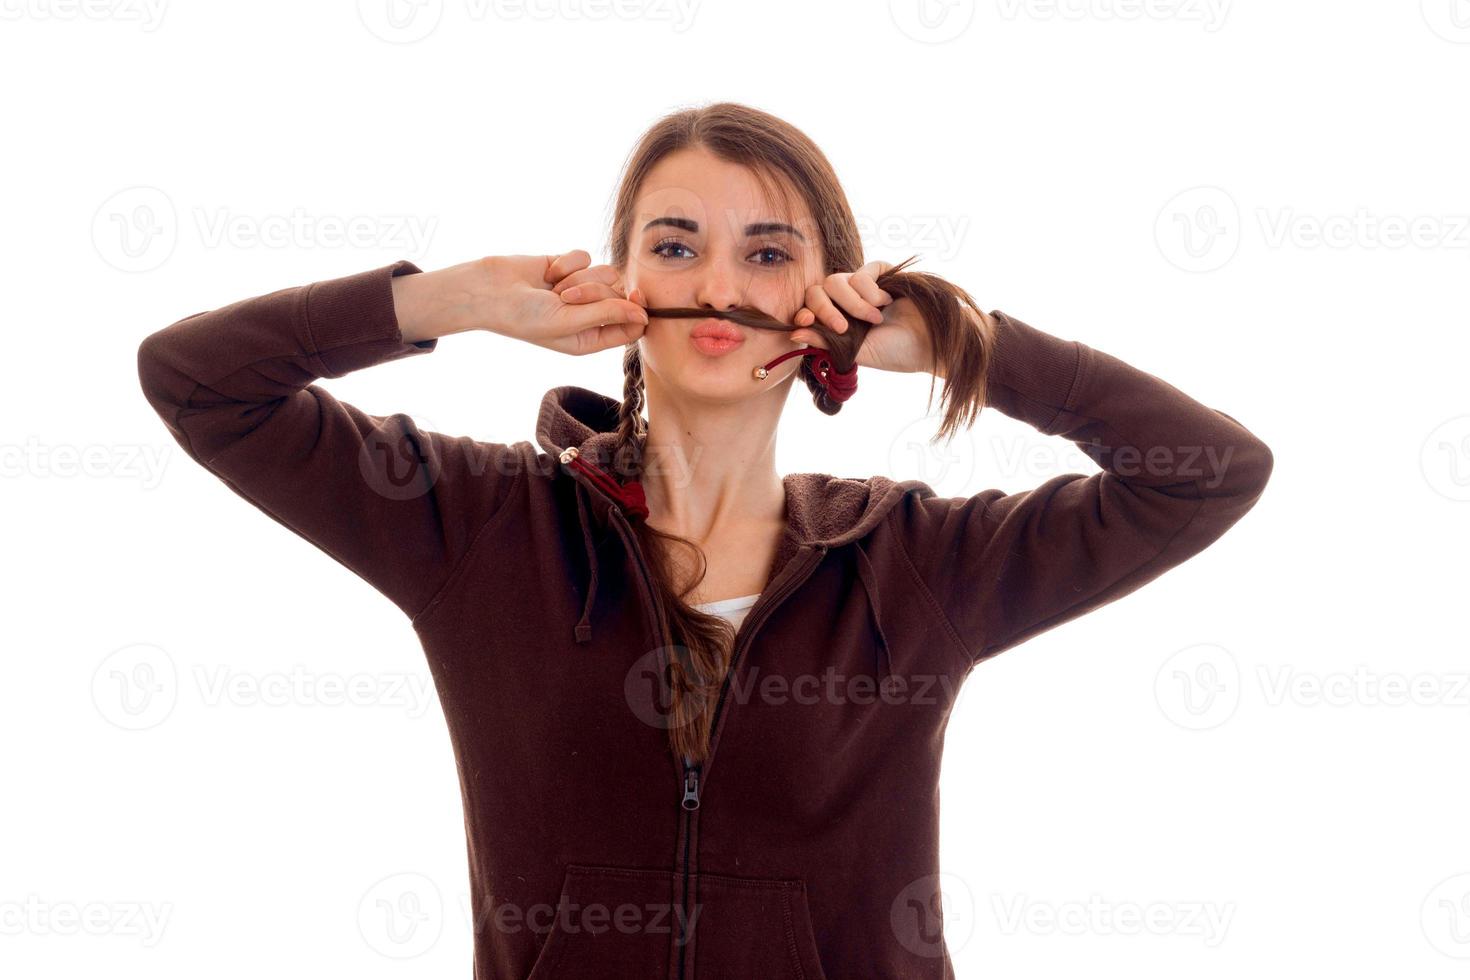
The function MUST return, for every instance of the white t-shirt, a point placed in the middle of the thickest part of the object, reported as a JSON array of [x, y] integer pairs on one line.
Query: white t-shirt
[[733, 610]]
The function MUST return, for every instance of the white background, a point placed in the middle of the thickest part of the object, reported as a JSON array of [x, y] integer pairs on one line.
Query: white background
[[1265, 204]]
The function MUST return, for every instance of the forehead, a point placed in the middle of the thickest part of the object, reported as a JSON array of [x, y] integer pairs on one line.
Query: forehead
[[721, 196]]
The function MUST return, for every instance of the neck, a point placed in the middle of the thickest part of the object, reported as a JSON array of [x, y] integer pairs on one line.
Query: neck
[[712, 465]]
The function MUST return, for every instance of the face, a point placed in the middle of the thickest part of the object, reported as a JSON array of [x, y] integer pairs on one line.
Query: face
[[703, 235]]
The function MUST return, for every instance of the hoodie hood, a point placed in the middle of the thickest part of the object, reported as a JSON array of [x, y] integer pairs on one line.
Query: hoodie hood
[[822, 511]]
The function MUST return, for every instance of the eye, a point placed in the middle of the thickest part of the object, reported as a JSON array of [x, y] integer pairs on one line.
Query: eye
[[781, 257], [663, 245]]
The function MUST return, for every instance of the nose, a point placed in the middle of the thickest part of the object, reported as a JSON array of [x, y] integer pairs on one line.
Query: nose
[[719, 287]]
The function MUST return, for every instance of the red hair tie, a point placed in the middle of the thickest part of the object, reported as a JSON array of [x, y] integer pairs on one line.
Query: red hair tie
[[839, 385]]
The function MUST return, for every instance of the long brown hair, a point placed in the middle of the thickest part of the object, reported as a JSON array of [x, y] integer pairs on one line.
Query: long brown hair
[[784, 161]]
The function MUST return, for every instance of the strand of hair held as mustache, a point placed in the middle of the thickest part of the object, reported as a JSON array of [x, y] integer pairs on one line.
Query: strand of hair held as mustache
[[839, 384], [834, 366]]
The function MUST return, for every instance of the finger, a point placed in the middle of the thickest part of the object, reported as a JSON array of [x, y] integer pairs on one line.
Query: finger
[[809, 338], [604, 274], [595, 339], [564, 265], [589, 292], [607, 311], [804, 317], [873, 270], [819, 303], [868, 289], [842, 292]]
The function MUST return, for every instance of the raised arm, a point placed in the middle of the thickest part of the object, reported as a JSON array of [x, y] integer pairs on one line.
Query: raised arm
[[1176, 474], [397, 505]]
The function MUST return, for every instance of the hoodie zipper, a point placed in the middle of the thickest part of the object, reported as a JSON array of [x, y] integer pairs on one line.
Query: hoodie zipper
[[691, 786], [689, 800], [696, 775]]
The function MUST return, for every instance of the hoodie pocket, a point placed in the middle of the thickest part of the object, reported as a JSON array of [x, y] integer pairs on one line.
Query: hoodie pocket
[[754, 927], [609, 922]]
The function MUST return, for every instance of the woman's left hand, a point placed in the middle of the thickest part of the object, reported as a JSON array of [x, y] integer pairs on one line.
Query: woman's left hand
[[898, 339]]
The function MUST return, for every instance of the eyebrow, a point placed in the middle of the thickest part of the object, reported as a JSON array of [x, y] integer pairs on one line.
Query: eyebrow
[[759, 228]]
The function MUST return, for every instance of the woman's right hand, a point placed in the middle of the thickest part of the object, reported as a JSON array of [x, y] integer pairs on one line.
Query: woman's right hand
[[521, 296], [534, 304]]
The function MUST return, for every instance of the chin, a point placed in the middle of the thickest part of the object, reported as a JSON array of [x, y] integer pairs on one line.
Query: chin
[[724, 380], [719, 379]]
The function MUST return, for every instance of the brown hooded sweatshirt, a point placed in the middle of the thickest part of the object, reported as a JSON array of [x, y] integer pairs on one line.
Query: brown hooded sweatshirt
[[806, 845]]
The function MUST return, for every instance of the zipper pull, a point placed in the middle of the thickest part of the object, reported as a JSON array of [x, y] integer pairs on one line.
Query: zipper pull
[[691, 789]]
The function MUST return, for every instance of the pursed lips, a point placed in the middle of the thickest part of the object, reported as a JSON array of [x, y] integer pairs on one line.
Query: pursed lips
[[718, 330], [712, 336]]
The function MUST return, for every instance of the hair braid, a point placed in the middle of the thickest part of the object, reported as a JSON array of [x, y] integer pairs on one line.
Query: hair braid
[[702, 643]]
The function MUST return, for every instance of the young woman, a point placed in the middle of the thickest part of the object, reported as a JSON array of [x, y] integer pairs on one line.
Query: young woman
[[698, 708]]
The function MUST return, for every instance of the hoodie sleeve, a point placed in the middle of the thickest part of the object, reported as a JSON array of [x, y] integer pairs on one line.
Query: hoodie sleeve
[[397, 505], [1175, 476]]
